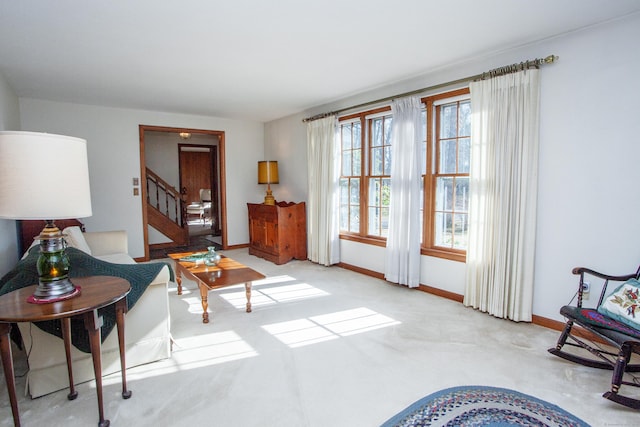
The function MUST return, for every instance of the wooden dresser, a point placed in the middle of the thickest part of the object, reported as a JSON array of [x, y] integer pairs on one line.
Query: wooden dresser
[[278, 233]]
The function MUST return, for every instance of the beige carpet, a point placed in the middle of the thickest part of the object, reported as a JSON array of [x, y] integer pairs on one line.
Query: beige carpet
[[324, 347]]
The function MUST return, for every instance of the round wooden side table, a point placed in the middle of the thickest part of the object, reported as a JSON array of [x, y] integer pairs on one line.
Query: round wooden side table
[[96, 292]]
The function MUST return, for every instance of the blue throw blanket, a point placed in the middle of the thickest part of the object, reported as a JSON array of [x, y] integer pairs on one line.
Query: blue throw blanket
[[82, 264]]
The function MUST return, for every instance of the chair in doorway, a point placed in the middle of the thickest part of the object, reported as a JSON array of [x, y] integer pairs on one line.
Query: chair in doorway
[[205, 201], [202, 209], [196, 210]]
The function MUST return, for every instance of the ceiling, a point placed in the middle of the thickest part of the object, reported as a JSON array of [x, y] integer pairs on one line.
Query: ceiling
[[255, 59]]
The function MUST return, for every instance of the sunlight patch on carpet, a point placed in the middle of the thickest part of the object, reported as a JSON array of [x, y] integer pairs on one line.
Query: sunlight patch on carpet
[[262, 295], [301, 332], [195, 352]]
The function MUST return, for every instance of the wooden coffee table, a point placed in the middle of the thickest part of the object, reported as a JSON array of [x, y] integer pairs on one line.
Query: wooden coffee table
[[227, 273]]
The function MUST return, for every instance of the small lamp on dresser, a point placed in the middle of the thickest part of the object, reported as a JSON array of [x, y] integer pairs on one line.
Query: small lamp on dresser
[[45, 176], [268, 174]]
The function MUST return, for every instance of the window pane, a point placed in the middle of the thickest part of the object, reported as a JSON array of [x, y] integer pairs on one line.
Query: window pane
[[346, 137], [447, 156], [374, 192], [374, 221], [346, 163], [464, 155], [465, 119], [462, 194], [384, 232], [376, 132], [344, 191], [357, 135], [354, 219], [387, 160], [376, 161], [443, 229], [444, 194], [461, 226], [448, 120], [354, 193], [386, 192], [357, 162], [388, 125]]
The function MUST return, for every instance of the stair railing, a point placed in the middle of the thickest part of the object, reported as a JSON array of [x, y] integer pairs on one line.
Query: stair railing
[[164, 197]]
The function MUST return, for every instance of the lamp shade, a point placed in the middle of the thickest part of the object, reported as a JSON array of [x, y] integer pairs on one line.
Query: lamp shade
[[268, 172], [43, 176]]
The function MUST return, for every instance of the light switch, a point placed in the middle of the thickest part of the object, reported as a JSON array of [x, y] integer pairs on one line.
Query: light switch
[[136, 191], [136, 181]]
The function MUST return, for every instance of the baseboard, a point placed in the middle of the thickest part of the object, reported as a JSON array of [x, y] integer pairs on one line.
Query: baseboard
[[441, 293], [162, 245], [361, 270], [536, 320], [240, 246]]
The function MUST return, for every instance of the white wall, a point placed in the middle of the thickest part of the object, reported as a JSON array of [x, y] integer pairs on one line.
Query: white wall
[[114, 160], [589, 181], [9, 120], [286, 142]]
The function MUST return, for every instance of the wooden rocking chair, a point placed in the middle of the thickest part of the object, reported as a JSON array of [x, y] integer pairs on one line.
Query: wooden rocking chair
[[621, 336]]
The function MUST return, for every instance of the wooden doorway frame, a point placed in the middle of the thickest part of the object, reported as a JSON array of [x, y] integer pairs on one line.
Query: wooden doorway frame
[[143, 178]]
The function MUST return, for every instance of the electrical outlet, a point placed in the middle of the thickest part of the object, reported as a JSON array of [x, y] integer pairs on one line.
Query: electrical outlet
[[586, 287]]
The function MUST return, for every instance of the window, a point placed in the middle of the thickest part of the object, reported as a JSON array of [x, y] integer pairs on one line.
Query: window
[[365, 175], [379, 178], [365, 182], [351, 149], [446, 178]]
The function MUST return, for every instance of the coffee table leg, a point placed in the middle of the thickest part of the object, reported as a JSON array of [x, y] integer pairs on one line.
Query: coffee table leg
[[179, 278], [7, 365], [92, 323], [121, 309], [204, 291], [247, 290], [66, 338]]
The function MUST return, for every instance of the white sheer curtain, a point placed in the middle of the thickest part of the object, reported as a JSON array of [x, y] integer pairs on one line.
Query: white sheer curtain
[[402, 257], [503, 190], [323, 158]]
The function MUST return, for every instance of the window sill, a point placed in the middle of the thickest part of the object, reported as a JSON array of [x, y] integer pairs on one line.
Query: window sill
[[366, 240], [458, 256]]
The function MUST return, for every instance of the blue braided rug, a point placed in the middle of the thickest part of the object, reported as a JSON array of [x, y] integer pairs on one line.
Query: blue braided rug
[[482, 406]]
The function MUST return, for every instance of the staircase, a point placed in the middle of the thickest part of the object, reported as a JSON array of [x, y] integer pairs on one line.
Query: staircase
[[165, 210]]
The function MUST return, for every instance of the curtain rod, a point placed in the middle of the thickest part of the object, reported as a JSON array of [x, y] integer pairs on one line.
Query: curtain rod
[[525, 65]]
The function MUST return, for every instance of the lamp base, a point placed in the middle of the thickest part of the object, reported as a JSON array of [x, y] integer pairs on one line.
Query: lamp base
[[269, 199], [54, 290], [53, 267], [33, 299]]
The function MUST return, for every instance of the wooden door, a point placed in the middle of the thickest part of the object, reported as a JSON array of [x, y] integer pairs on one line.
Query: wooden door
[[195, 172]]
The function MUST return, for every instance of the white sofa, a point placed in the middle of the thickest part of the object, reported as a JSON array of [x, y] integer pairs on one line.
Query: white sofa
[[147, 334]]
